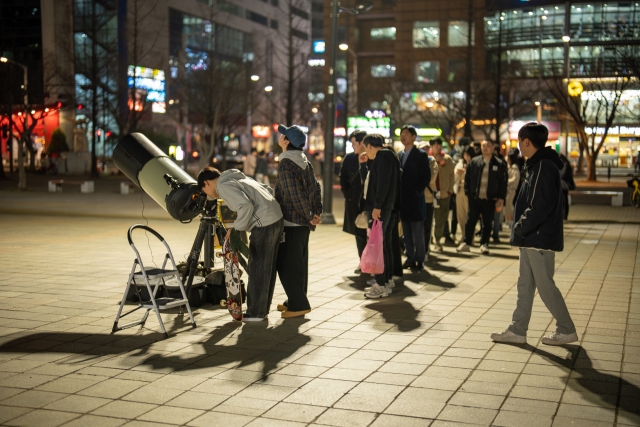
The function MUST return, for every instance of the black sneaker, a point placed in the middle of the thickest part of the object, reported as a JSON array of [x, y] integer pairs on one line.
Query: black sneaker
[[408, 265]]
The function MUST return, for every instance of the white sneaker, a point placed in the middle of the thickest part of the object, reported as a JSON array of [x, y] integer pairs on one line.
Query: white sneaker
[[377, 291], [557, 338], [484, 249], [371, 282], [438, 248], [254, 319], [390, 285], [463, 248], [509, 337]]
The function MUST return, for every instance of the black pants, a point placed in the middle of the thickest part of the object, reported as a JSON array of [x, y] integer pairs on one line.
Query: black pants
[[428, 225], [395, 242], [263, 248], [565, 196], [454, 217], [361, 240], [478, 207], [293, 267]]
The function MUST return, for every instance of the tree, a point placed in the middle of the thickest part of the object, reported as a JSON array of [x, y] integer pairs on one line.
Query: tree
[[58, 143], [596, 107]]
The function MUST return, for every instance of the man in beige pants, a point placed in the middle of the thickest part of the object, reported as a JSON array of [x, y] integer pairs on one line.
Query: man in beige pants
[[444, 189]]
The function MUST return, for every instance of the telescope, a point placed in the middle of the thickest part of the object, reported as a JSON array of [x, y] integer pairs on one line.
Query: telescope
[[159, 177]]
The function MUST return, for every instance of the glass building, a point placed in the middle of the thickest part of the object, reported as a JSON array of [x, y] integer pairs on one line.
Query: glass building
[[530, 39]]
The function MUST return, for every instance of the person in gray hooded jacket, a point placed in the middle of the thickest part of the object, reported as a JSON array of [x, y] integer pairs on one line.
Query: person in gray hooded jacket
[[258, 212]]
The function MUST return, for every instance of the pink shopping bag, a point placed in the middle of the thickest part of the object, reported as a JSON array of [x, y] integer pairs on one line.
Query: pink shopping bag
[[372, 260]]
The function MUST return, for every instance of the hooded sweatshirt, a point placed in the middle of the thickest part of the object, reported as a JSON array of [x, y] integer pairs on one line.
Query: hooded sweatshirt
[[297, 189], [539, 210], [254, 202]]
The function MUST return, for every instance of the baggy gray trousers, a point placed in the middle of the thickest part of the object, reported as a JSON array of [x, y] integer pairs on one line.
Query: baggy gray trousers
[[536, 272]]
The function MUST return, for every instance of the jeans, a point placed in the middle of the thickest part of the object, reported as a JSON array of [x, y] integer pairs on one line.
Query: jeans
[[385, 218], [263, 254], [293, 267], [441, 216], [478, 207], [497, 224], [428, 226], [536, 272], [414, 240]]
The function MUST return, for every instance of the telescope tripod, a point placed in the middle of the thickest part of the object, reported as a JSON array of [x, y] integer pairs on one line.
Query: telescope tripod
[[210, 225]]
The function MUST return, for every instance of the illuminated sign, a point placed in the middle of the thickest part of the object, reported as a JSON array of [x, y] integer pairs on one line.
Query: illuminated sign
[[432, 132], [375, 113], [318, 46], [150, 81], [261, 131], [574, 88], [340, 131], [614, 130], [316, 63], [379, 125]]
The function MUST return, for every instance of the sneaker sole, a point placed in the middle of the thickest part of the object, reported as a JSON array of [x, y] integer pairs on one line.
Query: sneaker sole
[[376, 296], [514, 340], [556, 343]]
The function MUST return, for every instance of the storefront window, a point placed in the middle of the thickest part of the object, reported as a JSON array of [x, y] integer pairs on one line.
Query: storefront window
[[525, 26], [427, 72], [387, 33], [383, 70], [426, 34], [459, 33]]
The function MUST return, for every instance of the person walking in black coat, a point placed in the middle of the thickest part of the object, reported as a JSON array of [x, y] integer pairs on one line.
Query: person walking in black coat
[[416, 175], [538, 232], [351, 186], [485, 183]]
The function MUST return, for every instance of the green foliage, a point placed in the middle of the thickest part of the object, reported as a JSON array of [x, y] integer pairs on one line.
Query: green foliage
[[58, 142]]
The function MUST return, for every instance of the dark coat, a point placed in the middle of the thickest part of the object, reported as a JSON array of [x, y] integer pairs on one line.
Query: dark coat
[[539, 210], [384, 181], [351, 186], [498, 178], [416, 175]]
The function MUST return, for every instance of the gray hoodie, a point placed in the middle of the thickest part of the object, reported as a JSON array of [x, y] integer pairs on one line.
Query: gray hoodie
[[296, 156], [254, 202]]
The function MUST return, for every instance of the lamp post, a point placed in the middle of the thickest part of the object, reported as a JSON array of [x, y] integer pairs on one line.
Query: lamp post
[[327, 180], [539, 108], [566, 39], [254, 78], [22, 180], [353, 85]]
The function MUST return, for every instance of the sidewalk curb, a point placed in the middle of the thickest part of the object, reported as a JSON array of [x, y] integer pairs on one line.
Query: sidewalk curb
[[10, 211]]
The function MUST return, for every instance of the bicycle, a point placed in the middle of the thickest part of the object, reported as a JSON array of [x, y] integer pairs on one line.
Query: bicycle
[[634, 183]]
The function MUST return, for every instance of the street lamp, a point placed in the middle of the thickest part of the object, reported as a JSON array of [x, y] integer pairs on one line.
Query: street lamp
[[268, 88], [539, 107], [327, 200], [255, 78], [354, 83], [24, 75]]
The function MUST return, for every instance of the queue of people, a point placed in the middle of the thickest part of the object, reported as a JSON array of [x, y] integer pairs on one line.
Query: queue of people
[[405, 192], [482, 186]]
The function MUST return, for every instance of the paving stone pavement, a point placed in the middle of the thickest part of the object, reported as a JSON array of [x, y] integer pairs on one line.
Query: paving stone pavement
[[420, 357]]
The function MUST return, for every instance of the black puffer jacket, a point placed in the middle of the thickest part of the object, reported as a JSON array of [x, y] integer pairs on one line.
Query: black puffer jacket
[[498, 177], [539, 210]]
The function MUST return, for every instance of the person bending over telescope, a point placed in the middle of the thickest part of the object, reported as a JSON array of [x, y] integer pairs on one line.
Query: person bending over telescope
[[258, 212]]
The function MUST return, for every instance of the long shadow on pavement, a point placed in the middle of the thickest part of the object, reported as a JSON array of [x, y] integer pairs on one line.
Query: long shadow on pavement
[[601, 388], [255, 343]]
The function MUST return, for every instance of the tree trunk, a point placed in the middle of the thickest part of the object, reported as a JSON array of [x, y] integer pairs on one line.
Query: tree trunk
[[580, 165], [32, 156], [591, 167], [22, 174]]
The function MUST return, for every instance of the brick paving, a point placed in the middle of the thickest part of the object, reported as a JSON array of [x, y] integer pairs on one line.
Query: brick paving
[[420, 357]]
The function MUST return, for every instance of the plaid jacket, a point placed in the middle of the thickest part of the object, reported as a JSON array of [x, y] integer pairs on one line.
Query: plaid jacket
[[298, 193]]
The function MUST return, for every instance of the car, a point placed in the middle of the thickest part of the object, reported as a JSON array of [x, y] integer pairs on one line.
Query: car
[[235, 159]]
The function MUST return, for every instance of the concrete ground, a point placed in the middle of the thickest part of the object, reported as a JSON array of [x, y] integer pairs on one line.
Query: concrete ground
[[421, 357]]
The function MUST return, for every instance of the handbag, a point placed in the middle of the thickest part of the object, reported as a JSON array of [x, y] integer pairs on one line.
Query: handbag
[[372, 260], [361, 221]]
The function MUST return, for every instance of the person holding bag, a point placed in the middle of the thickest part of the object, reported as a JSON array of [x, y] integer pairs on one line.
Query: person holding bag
[[351, 187], [381, 188]]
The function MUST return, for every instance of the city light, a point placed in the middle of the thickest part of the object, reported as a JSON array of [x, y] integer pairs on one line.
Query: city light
[[314, 110], [3, 59], [268, 88], [255, 78], [566, 39], [343, 46], [537, 103]]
